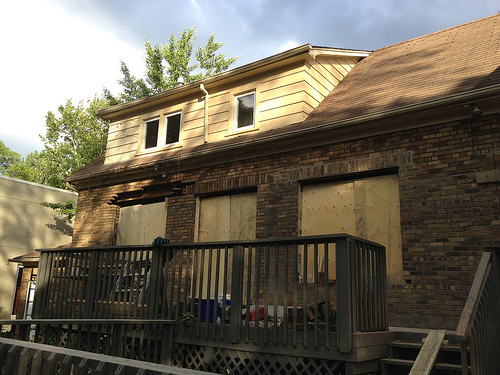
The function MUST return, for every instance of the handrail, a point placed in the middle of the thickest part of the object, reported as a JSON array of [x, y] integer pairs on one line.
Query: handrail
[[117, 337], [17, 357], [466, 320], [478, 330]]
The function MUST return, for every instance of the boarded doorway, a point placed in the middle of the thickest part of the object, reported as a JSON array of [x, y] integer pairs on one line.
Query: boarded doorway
[[225, 218]]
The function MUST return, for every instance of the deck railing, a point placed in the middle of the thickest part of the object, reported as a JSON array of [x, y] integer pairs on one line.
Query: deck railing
[[20, 357], [300, 291], [478, 328]]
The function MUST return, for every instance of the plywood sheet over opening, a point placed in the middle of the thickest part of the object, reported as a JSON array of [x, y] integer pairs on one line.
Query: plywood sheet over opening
[[367, 208], [141, 224], [225, 218]]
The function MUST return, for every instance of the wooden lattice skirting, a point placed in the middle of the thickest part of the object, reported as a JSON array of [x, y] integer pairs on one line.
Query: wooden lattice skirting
[[228, 361]]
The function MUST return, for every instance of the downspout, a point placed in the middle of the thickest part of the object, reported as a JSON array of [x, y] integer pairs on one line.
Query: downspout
[[205, 119]]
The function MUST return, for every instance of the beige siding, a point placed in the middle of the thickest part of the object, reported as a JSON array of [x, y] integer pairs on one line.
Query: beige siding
[[23, 228], [283, 97], [367, 208], [123, 140]]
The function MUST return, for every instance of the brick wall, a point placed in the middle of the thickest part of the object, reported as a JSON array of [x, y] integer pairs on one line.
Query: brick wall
[[446, 216]]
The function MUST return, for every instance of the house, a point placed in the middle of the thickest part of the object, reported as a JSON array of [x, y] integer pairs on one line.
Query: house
[[399, 146], [24, 228]]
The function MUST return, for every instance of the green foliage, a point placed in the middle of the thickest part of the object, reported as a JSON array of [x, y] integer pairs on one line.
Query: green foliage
[[166, 64], [30, 168], [7, 158], [67, 210], [73, 138]]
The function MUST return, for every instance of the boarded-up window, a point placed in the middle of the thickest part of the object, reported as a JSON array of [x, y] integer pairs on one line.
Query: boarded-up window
[[141, 224], [225, 218], [367, 208]]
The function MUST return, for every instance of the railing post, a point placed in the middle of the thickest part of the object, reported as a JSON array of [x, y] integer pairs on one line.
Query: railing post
[[344, 295], [154, 280], [91, 284], [236, 293], [42, 284]]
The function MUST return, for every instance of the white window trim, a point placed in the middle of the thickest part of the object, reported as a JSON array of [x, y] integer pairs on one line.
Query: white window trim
[[235, 127], [162, 133], [165, 128], [145, 133]]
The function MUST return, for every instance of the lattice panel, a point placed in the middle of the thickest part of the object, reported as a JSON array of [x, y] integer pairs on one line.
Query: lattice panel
[[226, 361]]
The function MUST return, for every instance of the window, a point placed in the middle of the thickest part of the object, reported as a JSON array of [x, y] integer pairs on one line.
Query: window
[[162, 131], [151, 133], [245, 111], [173, 126]]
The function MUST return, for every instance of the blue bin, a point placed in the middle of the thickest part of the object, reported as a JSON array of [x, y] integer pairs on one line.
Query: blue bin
[[203, 311]]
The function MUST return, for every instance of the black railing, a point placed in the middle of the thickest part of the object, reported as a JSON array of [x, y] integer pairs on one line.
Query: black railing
[[316, 290]]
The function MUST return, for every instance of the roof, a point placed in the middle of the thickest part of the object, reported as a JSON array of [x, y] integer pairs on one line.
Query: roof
[[443, 64], [450, 65]]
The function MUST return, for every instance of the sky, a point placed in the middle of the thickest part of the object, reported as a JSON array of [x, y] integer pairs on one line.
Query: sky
[[56, 50]]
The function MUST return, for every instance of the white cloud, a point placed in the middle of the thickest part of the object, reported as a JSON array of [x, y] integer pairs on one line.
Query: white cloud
[[52, 56], [285, 47]]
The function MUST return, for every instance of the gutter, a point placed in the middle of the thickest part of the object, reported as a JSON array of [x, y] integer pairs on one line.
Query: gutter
[[457, 99]]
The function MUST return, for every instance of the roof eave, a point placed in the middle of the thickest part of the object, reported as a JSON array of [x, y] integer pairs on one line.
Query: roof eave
[[457, 99], [190, 88]]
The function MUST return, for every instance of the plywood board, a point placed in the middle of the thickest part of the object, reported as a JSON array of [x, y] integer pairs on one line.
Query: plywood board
[[429, 352], [367, 208], [225, 218], [141, 224]]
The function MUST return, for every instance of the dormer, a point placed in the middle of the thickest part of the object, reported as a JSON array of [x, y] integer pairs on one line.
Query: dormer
[[270, 93]]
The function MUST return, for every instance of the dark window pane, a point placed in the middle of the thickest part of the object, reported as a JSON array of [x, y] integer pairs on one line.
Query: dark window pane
[[152, 133], [173, 128], [245, 110]]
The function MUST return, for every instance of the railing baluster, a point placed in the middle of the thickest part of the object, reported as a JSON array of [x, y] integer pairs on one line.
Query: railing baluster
[[315, 286], [304, 294], [286, 270], [326, 278], [295, 294], [257, 293]]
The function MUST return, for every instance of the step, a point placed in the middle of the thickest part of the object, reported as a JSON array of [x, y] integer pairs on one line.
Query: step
[[406, 363], [398, 349]]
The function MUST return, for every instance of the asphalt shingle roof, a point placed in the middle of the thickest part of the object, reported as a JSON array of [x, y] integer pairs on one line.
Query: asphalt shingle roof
[[439, 65], [445, 63]]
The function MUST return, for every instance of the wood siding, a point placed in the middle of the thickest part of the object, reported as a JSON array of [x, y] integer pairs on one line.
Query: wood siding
[[283, 97]]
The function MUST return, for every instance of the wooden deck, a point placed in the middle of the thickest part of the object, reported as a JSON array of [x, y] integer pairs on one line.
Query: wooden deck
[[152, 304], [318, 297]]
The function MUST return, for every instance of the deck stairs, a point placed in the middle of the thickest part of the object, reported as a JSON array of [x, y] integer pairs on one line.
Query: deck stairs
[[406, 355]]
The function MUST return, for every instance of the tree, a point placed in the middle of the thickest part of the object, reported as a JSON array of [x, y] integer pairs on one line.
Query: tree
[[72, 140], [166, 64], [7, 158]]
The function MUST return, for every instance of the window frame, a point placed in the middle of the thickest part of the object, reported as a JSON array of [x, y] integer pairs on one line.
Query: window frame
[[237, 128], [161, 138], [145, 133], [165, 128]]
